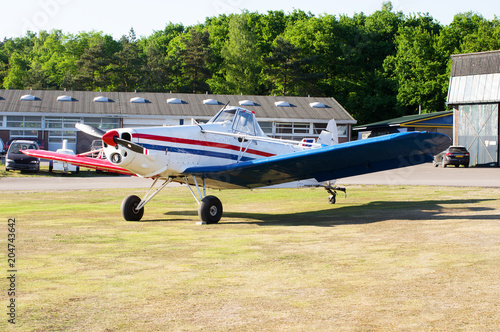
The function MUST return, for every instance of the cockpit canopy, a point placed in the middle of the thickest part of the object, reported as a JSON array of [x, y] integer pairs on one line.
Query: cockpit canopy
[[240, 120]]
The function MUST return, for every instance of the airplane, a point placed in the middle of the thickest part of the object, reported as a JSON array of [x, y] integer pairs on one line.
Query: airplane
[[231, 151]]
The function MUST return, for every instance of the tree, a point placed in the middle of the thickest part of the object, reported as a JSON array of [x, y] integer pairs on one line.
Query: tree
[[126, 66], [419, 70], [287, 68], [196, 57], [242, 62], [93, 64]]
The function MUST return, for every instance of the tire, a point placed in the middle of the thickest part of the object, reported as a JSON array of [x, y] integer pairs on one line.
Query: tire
[[128, 208], [210, 210], [332, 199]]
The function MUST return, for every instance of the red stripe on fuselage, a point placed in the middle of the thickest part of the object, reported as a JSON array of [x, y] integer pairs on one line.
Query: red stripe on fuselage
[[198, 142]]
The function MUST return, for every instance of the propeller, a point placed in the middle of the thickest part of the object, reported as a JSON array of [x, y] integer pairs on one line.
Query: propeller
[[96, 132], [111, 137]]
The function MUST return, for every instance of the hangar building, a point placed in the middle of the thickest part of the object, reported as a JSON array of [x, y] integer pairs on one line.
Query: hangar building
[[474, 95], [51, 115], [439, 122]]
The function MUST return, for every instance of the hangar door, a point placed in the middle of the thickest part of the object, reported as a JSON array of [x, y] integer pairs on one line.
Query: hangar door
[[478, 132]]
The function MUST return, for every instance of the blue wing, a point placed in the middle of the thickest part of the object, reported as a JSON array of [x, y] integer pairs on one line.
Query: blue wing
[[327, 163]]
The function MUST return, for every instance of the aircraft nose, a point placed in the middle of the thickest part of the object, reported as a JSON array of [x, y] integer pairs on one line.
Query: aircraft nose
[[108, 138]]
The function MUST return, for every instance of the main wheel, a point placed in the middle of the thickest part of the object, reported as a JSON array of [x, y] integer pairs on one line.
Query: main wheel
[[129, 212], [210, 210]]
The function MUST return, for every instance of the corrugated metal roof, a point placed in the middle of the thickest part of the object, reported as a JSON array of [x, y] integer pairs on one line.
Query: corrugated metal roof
[[480, 63], [406, 120], [474, 89], [156, 105]]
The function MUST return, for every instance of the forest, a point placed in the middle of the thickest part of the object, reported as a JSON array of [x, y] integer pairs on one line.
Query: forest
[[379, 66]]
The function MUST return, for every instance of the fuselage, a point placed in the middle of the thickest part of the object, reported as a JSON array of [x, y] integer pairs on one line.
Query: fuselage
[[232, 136]]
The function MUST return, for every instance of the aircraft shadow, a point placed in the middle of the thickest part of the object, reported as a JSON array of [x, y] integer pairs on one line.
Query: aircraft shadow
[[368, 213]]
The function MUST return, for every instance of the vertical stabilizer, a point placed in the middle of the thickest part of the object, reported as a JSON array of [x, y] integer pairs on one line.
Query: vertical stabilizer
[[329, 136]]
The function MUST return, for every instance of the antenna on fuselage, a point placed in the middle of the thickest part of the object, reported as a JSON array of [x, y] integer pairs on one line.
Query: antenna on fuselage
[[225, 106]]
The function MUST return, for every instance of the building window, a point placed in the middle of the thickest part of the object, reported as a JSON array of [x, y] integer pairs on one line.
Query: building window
[[267, 128], [319, 127], [16, 121], [59, 136], [103, 123], [294, 128], [23, 134], [61, 123], [342, 130]]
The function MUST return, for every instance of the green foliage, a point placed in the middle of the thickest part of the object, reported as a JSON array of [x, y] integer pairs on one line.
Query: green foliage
[[377, 66]]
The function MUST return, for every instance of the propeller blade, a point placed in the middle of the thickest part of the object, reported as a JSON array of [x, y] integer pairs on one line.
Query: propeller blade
[[130, 145], [112, 138], [96, 132]]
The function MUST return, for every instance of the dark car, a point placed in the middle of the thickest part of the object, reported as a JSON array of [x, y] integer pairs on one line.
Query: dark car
[[39, 142], [454, 155], [16, 160]]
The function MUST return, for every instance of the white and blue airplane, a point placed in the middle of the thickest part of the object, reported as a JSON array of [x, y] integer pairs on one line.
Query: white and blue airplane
[[231, 151]]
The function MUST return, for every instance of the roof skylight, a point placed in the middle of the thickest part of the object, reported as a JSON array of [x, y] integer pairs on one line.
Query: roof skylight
[[28, 97], [101, 99], [174, 101], [247, 103], [282, 104]]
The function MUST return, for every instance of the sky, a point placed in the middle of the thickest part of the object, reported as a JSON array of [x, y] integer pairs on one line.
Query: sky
[[146, 16]]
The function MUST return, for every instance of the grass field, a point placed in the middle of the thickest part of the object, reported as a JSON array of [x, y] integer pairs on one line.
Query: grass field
[[385, 258]]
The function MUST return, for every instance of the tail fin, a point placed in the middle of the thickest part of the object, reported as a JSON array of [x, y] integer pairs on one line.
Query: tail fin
[[329, 136]]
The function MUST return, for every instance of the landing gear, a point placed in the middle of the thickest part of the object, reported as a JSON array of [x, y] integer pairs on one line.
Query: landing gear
[[133, 206], [210, 210], [333, 193], [129, 208], [209, 207]]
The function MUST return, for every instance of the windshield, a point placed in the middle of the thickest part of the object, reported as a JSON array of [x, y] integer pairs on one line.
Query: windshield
[[224, 117], [240, 120], [16, 147], [244, 123], [457, 149]]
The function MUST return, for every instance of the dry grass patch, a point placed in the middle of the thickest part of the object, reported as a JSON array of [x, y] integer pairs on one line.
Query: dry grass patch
[[385, 258]]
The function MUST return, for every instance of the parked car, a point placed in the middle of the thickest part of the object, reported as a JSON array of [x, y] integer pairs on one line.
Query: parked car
[[55, 165], [39, 142], [16, 160], [454, 155], [2, 147]]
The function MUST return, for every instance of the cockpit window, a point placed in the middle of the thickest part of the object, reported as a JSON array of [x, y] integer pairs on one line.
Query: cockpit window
[[240, 120], [223, 117], [244, 123]]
